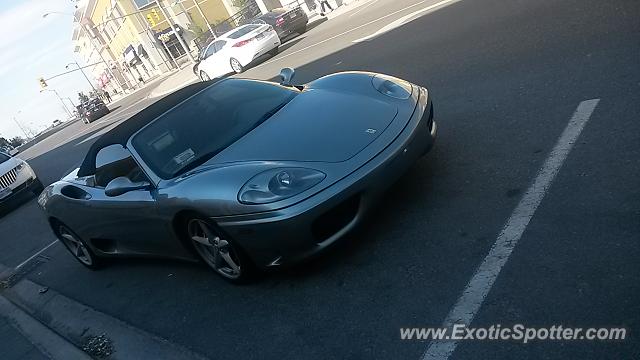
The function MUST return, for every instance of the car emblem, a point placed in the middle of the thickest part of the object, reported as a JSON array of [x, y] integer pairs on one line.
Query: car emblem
[[371, 131]]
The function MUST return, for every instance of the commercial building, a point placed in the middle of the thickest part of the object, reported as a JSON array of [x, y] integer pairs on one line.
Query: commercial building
[[127, 42]]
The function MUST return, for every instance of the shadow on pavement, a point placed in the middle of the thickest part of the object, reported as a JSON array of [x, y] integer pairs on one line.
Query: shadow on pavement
[[14, 202], [285, 46]]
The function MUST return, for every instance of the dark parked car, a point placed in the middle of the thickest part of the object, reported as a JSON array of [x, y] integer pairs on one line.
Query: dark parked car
[[243, 173], [286, 22], [92, 110]]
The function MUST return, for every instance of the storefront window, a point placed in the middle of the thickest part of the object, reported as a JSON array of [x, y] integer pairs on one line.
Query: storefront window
[[142, 3]]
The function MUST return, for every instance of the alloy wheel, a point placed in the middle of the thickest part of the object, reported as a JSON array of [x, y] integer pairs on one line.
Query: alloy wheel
[[217, 252], [236, 66], [76, 246]]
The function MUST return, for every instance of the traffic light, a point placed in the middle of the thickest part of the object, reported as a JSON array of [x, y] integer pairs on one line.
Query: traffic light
[[43, 83], [151, 20]]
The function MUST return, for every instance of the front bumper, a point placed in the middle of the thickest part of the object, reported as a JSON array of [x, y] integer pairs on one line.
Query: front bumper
[[288, 235], [25, 181]]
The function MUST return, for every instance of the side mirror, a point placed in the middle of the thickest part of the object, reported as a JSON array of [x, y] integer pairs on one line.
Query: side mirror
[[286, 75], [122, 185]]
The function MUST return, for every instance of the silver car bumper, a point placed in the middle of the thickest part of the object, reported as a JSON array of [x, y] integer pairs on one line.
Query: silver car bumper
[[291, 234], [24, 179]]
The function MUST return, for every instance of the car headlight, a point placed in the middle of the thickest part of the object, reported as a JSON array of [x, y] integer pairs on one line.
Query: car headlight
[[20, 166], [278, 184], [392, 87]]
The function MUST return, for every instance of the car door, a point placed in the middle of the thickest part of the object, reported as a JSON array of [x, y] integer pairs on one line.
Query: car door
[[216, 61], [206, 64], [127, 223]]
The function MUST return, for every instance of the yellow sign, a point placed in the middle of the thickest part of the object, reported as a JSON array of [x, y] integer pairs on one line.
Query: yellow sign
[[153, 17]]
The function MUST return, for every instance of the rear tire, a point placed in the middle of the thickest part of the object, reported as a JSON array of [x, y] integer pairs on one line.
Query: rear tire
[[219, 252], [77, 247], [236, 66]]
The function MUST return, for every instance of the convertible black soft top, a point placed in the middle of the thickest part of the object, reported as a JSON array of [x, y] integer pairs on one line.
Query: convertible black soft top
[[121, 133]]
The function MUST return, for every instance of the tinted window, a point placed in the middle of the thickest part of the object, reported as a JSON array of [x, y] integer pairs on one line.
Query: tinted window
[[4, 158], [114, 161], [242, 31], [193, 132], [219, 45], [209, 51]]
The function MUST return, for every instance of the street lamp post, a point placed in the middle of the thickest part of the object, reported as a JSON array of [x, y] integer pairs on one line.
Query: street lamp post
[[93, 45], [61, 101], [18, 124], [83, 73]]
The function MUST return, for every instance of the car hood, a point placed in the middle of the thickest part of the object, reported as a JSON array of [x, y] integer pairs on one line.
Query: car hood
[[8, 165], [323, 125]]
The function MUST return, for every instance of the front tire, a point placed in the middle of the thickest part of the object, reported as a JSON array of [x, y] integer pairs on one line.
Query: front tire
[[236, 66], [222, 255], [78, 247]]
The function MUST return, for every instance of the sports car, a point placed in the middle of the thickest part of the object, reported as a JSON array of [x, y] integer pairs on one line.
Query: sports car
[[246, 175]]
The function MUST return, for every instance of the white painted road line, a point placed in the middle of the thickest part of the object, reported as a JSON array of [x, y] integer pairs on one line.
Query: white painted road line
[[480, 284], [363, 7], [405, 19], [349, 31], [36, 254]]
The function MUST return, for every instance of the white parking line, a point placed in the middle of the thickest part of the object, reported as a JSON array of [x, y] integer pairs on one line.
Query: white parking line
[[350, 31], [363, 7], [480, 284], [36, 254], [404, 19]]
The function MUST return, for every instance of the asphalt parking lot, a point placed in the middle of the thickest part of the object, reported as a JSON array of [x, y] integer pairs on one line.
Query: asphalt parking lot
[[508, 81]]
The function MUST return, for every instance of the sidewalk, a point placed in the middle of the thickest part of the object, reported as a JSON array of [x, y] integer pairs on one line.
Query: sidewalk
[[23, 337], [37, 322], [175, 81], [186, 76]]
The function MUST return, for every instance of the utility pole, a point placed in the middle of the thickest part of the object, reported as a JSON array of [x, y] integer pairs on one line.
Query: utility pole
[[175, 31], [83, 73], [20, 126], [61, 101], [95, 48]]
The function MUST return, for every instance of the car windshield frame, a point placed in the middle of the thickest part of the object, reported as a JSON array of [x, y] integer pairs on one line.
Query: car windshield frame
[[4, 157], [156, 174]]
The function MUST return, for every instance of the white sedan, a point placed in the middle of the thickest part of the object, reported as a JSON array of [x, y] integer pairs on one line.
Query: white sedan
[[234, 50], [16, 176]]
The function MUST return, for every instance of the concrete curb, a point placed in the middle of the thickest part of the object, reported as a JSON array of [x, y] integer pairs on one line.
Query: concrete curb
[[154, 94], [44, 339], [81, 325]]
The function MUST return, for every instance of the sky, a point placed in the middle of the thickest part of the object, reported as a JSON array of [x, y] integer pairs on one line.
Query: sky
[[35, 47]]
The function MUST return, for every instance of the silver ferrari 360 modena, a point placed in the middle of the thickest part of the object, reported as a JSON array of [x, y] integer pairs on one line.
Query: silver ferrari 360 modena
[[244, 174]]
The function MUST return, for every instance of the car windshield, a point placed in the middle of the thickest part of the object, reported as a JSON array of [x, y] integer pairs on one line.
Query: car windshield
[[196, 130], [4, 157]]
